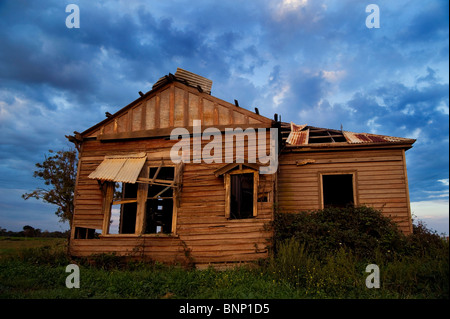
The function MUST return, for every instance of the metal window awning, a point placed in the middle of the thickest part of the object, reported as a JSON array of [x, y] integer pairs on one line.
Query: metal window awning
[[120, 168]]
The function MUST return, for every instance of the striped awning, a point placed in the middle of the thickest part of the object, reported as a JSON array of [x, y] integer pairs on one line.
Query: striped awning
[[120, 168]]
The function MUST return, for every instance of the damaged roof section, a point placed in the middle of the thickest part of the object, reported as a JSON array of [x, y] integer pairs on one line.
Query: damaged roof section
[[358, 138], [297, 136], [302, 135]]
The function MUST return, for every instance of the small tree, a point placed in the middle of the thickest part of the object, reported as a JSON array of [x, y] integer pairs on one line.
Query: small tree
[[59, 172]]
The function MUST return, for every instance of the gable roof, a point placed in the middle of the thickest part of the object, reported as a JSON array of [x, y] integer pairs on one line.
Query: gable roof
[[174, 101], [304, 135]]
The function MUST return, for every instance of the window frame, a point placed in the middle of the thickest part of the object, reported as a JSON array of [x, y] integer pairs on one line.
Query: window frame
[[354, 185], [174, 199], [143, 182], [227, 181], [122, 202]]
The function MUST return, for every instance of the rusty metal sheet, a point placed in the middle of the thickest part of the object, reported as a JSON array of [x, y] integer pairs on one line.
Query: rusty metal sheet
[[359, 138], [298, 138], [120, 168], [297, 128]]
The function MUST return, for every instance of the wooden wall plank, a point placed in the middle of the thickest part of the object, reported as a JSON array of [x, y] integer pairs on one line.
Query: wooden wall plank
[[381, 181], [201, 223]]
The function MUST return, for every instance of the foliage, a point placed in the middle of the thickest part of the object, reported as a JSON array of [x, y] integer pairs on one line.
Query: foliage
[[59, 173], [363, 230], [424, 241], [326, 253], [29, 231]]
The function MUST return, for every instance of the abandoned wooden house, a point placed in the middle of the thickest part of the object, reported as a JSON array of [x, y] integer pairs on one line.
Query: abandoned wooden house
[[133, 199]]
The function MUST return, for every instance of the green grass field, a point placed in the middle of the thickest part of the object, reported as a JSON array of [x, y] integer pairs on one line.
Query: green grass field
[[36, 268], [12, 245], [315, 256]]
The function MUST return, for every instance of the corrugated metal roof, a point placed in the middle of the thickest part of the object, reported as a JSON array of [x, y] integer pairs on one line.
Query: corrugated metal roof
[[120, 168], [297, 128], [298, 138], [359, 138]]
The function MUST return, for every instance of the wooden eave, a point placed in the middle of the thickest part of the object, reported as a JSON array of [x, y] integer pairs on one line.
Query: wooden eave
[[231, 166]]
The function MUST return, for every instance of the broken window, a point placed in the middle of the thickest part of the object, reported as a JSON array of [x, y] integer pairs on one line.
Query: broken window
[[123, 210], [138, 198], [241, 195], [160, 200], [241, 190], [338, 190], [85, 233], [157, 201]]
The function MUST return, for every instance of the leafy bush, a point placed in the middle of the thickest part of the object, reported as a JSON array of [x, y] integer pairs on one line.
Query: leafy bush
[[424, 241], [363, 230], [325, 254]]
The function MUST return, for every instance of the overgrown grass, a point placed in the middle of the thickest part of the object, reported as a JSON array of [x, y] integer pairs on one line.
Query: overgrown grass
[[20, 279], [410, 267], [11, 245]]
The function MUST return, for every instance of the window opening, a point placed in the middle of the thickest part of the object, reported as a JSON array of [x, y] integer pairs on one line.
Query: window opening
[[147, 206], [241, 196], [337, 190], [85, 233], [159, 209], [123, 209]]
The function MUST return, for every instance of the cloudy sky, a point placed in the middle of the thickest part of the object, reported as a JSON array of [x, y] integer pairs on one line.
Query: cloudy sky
[[313, 62]]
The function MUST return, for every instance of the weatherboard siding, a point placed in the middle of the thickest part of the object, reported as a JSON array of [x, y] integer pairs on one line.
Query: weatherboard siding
[[203, 233], [380, 180]]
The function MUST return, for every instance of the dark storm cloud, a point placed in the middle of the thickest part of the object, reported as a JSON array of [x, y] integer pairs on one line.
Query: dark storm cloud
[[306, 90]]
